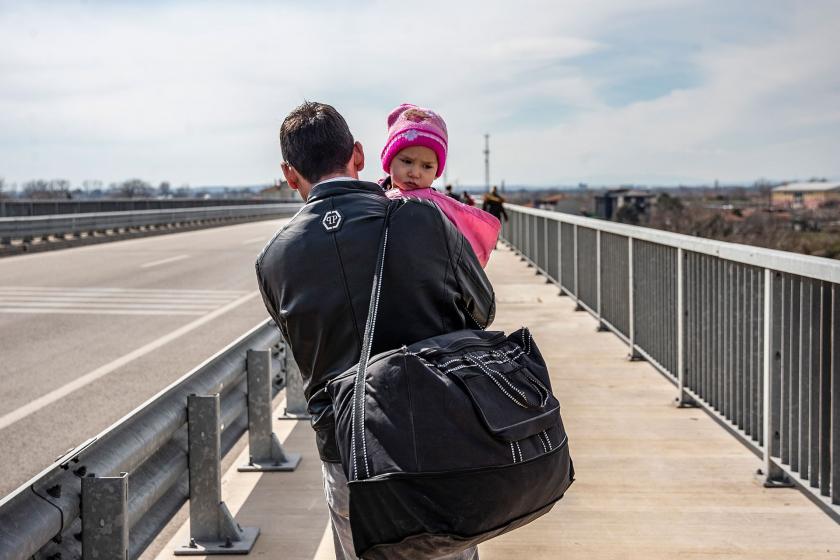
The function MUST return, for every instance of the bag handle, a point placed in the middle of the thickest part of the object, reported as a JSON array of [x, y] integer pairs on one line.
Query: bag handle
[[501, 382], [360, 459]]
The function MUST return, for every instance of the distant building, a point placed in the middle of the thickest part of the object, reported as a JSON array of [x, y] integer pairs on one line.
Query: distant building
[[561, 202], [805, 195], [632, 201], [280, 191]]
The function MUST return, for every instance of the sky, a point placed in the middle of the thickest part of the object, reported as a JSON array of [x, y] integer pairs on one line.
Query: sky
[[657, 92]]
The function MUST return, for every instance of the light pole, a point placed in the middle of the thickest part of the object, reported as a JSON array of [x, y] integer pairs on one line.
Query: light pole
[[487, 161]]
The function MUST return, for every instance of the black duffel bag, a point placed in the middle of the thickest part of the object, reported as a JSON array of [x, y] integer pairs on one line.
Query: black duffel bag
[[447, 442]]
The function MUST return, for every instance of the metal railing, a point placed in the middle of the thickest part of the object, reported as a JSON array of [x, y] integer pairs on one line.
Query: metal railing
[[169, 449], [10, 208], [34, 227], [752, 335]]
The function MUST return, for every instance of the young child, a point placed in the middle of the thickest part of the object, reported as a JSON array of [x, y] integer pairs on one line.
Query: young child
[[414, 156]]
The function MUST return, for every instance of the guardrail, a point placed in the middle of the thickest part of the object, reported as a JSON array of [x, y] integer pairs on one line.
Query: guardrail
[[60, 225], [169, 448], [751, 335], [10, 208]]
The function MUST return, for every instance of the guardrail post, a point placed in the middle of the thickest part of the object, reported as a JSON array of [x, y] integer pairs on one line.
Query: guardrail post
[[212, 528], [266, 451], [634, 355], [601, 326], [105, 517], [774, 477], [295, 399]]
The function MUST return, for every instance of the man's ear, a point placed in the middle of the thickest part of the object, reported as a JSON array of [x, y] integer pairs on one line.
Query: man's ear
[[358, 156], [291, 175]]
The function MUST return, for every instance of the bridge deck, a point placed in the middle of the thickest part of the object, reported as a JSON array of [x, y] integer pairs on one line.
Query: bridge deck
[[653, 481]]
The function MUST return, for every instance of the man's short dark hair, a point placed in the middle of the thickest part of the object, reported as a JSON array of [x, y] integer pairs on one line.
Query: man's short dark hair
[[315, 140]]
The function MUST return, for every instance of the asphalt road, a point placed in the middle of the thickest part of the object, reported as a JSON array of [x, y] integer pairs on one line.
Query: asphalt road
[[87, 334]]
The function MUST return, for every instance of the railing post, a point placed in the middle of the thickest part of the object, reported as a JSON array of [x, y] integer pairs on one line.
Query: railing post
[[529, 256], [601, 326], [682, 399], [578, 306], [545, 251], [266, 451], [831, 386], [105, 517], [634, 355], [773, 475], [295, 399], [212, 528], [560, 256]]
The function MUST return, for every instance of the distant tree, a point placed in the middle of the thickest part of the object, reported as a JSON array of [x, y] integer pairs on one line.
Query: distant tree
[[133, 188], [90, 185], [668, 203], [627, 214], [183, 192], [164, 189], [40, 188], [2, 187]]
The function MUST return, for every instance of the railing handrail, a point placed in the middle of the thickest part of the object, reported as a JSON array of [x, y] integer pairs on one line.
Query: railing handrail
[[819, 268]]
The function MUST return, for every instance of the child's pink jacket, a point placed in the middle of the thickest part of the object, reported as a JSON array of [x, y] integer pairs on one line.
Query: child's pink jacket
[[479, 227]]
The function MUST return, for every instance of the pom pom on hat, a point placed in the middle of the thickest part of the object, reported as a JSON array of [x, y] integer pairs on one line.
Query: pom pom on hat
[[410, 125]]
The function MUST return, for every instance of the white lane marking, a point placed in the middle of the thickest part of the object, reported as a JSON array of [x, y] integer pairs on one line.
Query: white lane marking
[[27, 300], [61, 289], [56, 296], [83, 311], [261, 239], [111, 305], [88, 378], [87, 301], [164, 261]]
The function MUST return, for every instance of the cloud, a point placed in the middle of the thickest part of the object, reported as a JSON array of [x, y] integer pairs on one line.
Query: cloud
[[594, 90]]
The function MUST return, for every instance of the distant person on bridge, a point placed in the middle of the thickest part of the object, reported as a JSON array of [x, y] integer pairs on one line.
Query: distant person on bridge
[[414, 156], [495, 204], [452, 194], [315, 278]]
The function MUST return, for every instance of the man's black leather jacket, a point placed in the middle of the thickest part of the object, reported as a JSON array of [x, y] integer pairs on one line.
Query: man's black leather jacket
[[316, 274]]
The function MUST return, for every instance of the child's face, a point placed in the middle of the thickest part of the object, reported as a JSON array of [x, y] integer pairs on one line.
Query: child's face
[[414, 168]]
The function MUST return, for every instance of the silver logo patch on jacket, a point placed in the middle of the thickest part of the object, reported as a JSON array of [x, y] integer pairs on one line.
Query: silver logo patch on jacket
[[332, 220]]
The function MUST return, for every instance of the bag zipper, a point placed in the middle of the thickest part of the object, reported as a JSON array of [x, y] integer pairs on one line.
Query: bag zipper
[[495, 339], [463, 344]]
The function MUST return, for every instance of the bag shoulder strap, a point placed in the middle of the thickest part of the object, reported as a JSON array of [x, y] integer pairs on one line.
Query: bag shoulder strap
[[360, 460]]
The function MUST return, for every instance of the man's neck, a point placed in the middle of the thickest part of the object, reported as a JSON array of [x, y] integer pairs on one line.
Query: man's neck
[[337, 177], [306, 189]]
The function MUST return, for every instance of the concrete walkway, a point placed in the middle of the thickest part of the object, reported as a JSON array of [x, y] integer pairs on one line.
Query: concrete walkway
[[653, 481]]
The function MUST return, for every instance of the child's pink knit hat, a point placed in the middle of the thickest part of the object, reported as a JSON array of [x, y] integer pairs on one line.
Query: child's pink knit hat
[[410, 125]]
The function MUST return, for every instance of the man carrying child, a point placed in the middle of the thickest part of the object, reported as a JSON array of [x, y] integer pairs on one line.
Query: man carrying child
[[315, 276]]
